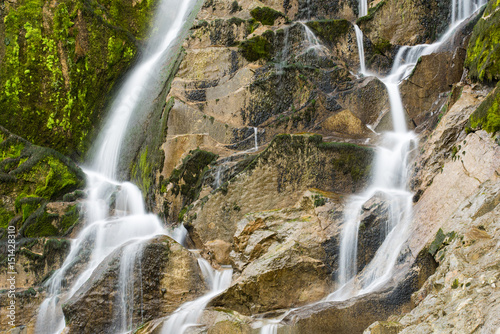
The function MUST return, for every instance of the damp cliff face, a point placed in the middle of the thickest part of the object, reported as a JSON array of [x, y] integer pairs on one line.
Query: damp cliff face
[[261, 135], [60, 62]]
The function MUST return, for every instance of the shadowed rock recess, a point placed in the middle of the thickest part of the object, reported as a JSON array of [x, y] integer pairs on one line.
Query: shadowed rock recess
[[262, 133]]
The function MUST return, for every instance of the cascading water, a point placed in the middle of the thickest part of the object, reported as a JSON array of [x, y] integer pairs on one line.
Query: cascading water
[[361, 49], [311, 39], [363, 8], [389, 177], [256, 139], [115, 211], [126, 281], [462, 9], [187, 315], [284, 52]]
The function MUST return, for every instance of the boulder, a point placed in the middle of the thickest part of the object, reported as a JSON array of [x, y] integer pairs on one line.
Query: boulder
[[434, 74], [166, 276]]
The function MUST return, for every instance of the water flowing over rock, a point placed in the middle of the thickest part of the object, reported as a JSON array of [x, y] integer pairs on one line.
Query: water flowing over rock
[[298, 166]]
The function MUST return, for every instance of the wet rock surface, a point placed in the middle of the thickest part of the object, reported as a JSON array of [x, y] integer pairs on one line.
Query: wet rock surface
[[166, 276]]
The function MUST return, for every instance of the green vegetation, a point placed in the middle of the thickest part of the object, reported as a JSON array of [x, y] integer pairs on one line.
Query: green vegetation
[[142, 171], [487, 115], [256, 48], [483, 52], [31, 177], [235, 7], [440, 241], [382, 46], [60, 63], [266, 15], [319, 200], [330, 31]]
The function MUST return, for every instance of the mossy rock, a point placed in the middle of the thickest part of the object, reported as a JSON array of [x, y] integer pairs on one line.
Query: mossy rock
[[487, 115], [258, 47], [60, 63], [330, 31], [30, 177], [266, 15], [483, 52]]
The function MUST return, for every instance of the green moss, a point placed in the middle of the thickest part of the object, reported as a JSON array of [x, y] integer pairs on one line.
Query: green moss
[[256, 48], [58, 181], [330, 31], [5, 217], [266, 15], [69, 219], [27, 205], [141, 172], [60, 64], [319, 200], [42, 225], [11, 151], [483, 52], [371, 13], [382, 46], [455, 284], [350, 159], [235, 7], [487, 115], [440, 241]]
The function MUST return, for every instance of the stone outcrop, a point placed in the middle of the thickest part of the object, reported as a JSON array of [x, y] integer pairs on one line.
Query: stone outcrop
[[434, 74], [276, 179], [166, 276], [405, 22]]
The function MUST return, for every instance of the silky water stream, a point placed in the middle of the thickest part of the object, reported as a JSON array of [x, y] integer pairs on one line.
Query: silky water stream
[[116, 219]]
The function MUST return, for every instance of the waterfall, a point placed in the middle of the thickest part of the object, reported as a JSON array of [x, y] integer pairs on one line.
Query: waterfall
[[187, 315], [363, 8], [462, 9], [126, 281], [115, 211], [311, 39], [389, 177], [284, 52], [256, 139], [361, 49]]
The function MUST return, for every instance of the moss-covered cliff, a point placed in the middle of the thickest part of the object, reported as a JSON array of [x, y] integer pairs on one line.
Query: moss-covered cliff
[[60, 62]]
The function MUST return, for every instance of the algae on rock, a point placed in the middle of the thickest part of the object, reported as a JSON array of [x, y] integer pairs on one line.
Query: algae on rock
[[60, 63]]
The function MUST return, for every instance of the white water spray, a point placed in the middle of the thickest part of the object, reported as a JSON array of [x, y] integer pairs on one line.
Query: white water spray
[[363, 8], [114, 210], [462, 9], [256, 139], [311, 39], [361, 49], [389, 178], [188, 314]]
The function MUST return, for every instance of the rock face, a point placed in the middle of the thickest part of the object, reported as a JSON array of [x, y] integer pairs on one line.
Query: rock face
[[433, 75], [57, 70], [39, 192], [261, 133], [280, 259], [166, 276], [406, 22], [276, 179]]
